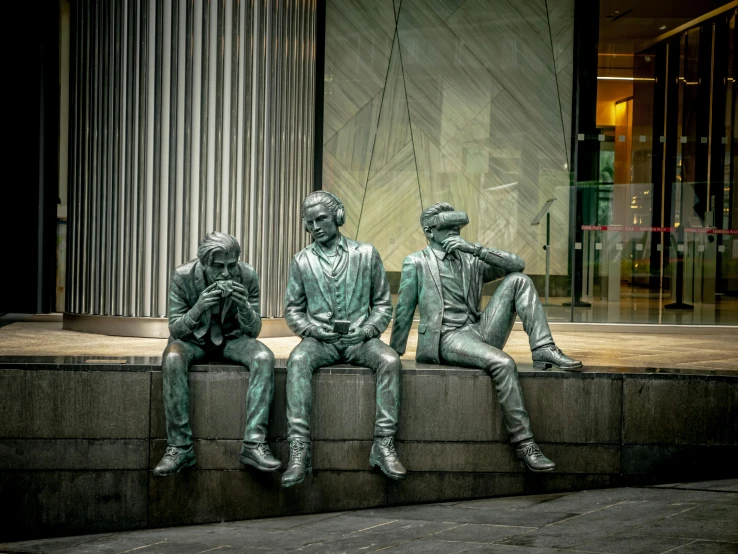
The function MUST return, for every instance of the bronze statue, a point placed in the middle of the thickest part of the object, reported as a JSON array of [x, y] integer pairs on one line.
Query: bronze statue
[[338, 301], [214, 312], [446, 281]]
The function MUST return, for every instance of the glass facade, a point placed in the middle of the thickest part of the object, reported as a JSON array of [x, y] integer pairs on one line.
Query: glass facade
[[472, 103]]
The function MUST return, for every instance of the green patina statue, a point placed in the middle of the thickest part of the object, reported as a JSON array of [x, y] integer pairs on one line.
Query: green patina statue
[[338, 301], [214, 313], [446, 281]]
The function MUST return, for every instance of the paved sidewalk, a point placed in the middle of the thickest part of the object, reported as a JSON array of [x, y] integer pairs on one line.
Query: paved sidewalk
[[688, 518]]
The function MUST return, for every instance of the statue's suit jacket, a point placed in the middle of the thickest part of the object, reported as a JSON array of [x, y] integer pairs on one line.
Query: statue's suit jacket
[[185, 288], [308, 300], [421, 284]]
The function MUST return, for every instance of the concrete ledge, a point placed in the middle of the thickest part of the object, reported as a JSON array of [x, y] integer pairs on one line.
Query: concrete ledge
[[78, 441]]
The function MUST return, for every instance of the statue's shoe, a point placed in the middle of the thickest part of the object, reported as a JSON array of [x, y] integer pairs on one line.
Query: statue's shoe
[[551, 355], [385, 456], [300, 463], [260, 457], [175, 459], [528, 452]]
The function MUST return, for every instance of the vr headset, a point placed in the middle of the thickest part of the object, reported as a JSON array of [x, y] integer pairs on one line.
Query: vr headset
[[449, 220]]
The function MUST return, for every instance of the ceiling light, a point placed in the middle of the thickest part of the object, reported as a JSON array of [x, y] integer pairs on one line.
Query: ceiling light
[[662, 28]]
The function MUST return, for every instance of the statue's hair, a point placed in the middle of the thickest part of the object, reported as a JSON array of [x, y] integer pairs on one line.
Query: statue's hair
[[433, 211], [217, 242], [329, 200]]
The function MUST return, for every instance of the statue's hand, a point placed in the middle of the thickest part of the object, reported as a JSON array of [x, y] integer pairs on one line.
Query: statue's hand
[[323, 334], [354, 336], [240, 296], [454, 243], [208, 298]]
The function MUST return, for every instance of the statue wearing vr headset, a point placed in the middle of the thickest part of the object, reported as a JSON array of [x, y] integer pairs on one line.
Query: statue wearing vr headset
[[446, 281], [338, 301]]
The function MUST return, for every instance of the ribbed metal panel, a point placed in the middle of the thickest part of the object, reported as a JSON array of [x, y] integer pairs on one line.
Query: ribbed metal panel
[[187, 116]]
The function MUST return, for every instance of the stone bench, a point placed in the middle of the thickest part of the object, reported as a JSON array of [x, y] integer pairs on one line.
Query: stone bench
[[78, 440]]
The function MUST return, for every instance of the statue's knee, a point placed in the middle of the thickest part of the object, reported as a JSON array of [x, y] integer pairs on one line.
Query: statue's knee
[[520, 277], [298, 360], [174, 356], [503, 366], [391, 361], [264, 358]]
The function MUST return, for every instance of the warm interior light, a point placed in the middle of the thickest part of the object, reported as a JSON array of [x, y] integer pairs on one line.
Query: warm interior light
[[625, 79]]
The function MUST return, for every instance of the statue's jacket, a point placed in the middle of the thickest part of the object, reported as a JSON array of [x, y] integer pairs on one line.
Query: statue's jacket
[[420, 284], [186, 285], [310, 299]]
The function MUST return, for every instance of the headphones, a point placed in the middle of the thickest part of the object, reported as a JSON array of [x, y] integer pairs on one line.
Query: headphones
[[340, 212]]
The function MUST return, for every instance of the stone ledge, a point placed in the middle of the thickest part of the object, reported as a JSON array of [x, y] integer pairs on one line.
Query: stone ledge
[[77, 441]]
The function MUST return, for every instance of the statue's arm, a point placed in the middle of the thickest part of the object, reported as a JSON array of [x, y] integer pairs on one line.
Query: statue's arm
[[295, 301], [381, 313], [249, 318], [181, 322], [498, 263], [406, 303]]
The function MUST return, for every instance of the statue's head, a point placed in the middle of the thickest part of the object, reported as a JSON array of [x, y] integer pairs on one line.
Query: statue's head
[[322, 214], [218, 254], [440, 221]]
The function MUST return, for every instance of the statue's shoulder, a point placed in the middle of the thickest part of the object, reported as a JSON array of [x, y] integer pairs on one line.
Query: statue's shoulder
[[247, 270], [363, 247], [186, 269]]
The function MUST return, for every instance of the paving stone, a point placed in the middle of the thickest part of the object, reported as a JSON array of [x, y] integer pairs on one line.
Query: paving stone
[[81, 454], [683, 526], [479, 533], [632, 543], [429, 546], [708, 547], [723, 485], [680, 411], [435, 512], [625, 516]]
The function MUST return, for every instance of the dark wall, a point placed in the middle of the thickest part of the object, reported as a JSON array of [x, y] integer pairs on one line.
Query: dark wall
[[30, 182]]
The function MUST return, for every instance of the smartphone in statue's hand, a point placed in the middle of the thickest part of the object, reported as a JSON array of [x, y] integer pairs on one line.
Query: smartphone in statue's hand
[[341, 326]]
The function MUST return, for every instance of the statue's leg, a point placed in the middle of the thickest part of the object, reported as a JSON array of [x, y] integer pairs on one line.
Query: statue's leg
[[516, 294], [305, 358], [175, 364], [260, 362], [465, 348], [385, 363], [388, 375]]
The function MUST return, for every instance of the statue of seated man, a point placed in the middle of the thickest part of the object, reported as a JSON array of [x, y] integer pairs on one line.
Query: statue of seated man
[[214, 313], [338, 301], [446, 280]]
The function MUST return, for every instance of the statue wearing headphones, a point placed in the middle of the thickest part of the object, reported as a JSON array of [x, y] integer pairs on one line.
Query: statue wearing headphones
[[338, 301]]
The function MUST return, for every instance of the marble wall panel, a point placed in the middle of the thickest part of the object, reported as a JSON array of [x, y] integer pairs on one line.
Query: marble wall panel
[[441, 181], [394, 196], [561, 19], [516, 54], [339, 181], [351, 145], [445, 8], [358, 42], [482, 120], [393, 129]]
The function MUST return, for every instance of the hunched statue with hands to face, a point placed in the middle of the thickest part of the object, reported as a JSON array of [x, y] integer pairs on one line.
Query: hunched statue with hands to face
[[214, 313]]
